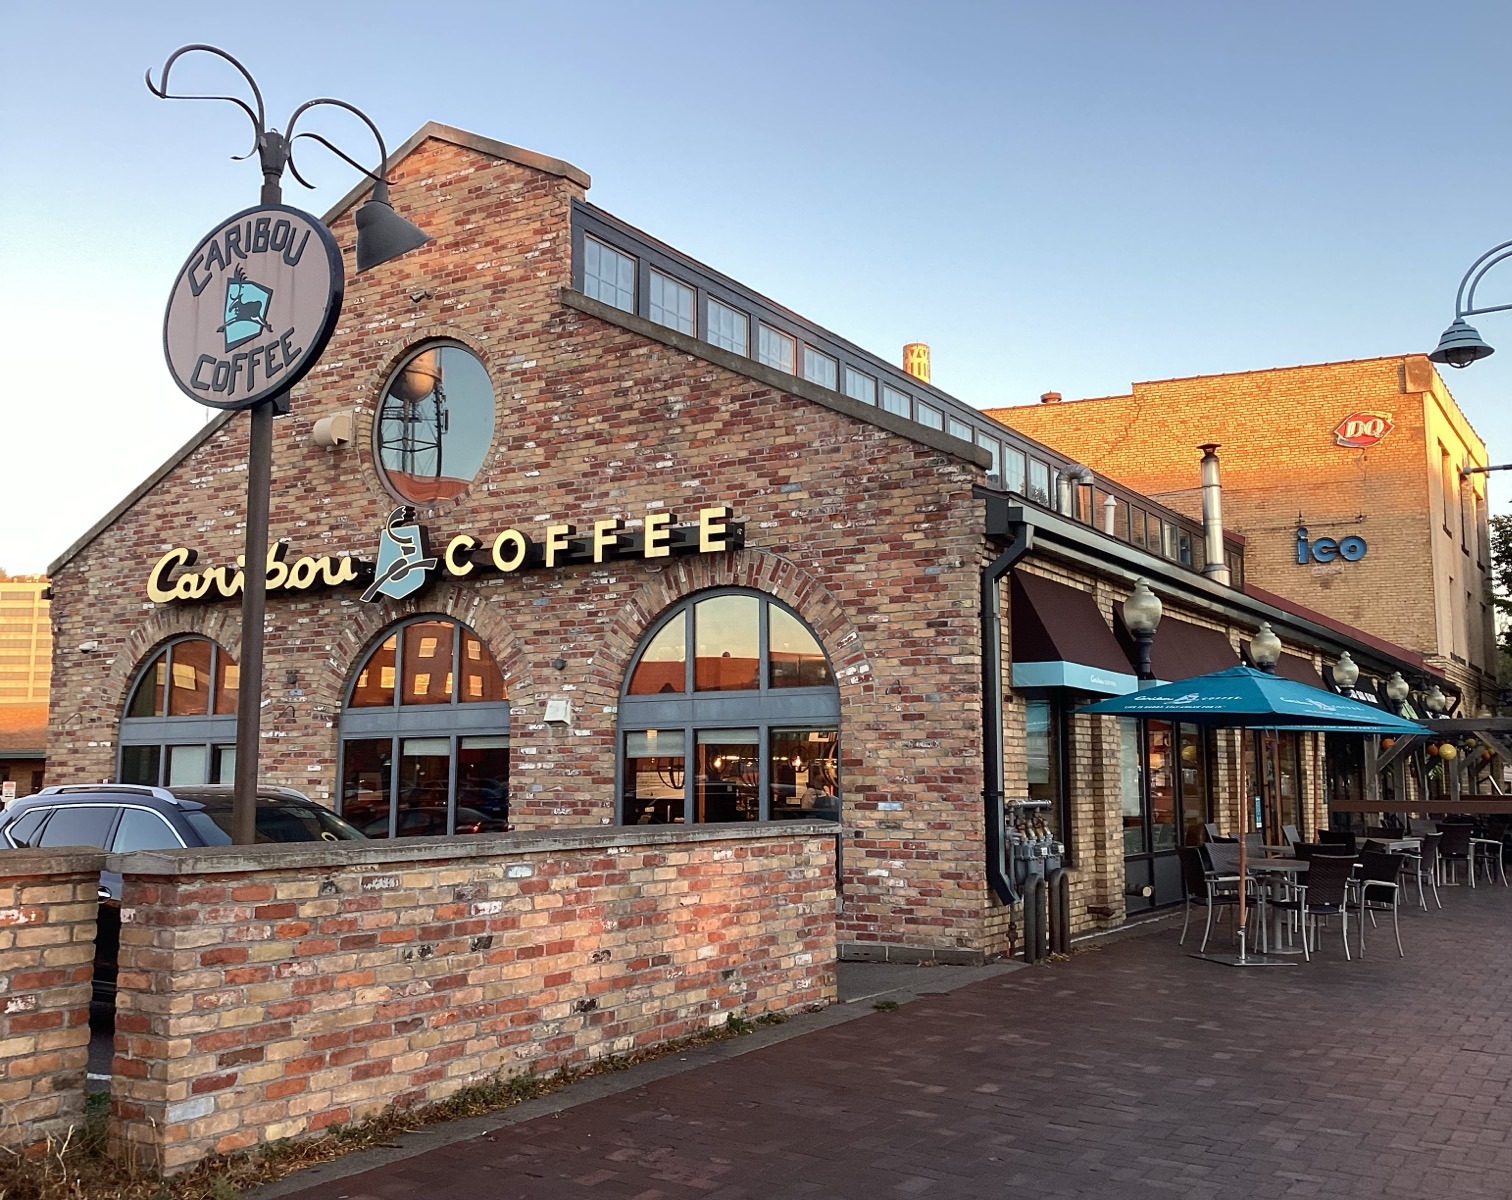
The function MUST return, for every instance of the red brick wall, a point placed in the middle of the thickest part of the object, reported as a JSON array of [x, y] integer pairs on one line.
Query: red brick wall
[[272, 991], [873, 538], [47, 929]]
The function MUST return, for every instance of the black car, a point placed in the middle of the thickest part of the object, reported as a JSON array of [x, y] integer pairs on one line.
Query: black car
[[122, 817]]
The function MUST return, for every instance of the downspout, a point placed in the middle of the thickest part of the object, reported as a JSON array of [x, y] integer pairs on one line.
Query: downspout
[[999, 875]]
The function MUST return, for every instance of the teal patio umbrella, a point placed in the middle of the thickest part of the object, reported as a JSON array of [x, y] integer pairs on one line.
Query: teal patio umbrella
[[1244, 698]]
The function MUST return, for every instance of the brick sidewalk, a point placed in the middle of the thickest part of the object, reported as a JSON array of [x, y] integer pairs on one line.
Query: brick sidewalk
[[1131, 1070]]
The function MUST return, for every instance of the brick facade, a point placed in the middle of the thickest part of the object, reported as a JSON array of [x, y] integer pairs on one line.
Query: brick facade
[[1281, 464], [871, 537], [47, 930]]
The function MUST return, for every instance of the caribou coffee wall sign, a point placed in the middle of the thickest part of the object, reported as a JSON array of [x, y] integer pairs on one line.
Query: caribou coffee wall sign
[[405, 562], [252, 307]]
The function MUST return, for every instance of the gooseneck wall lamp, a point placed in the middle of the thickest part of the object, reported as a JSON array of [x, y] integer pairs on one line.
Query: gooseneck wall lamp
[[1141, 615], [249, 297], [1461, 344]]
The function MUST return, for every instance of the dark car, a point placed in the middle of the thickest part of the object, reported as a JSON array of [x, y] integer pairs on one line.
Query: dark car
[[122, 817]]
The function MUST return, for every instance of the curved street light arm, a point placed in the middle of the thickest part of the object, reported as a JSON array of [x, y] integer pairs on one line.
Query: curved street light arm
[[336, 150], [259, 125], [1464, 300]]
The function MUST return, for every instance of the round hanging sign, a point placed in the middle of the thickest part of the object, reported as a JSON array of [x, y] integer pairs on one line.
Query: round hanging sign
[[253, 306]]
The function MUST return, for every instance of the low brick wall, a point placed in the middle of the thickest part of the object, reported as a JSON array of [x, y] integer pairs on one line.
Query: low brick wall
[[271, 991], [47, 928]]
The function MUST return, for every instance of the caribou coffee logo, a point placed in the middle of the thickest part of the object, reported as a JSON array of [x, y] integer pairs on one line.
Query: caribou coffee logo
[[253, 307], [1360, 430], [404, 564]]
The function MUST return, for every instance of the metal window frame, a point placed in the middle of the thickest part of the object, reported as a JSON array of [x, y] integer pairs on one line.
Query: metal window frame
[[396, 721], [762, 709]]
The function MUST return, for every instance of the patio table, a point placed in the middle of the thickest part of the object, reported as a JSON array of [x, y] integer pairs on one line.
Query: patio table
[[1276, 872]]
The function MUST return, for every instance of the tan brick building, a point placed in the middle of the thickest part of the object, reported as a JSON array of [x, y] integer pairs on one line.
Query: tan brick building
[[1371, 451], [25, 666], [875, 604]]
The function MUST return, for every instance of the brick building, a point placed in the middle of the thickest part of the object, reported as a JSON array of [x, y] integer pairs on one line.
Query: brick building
[[698, 559], [25, 665], [1345, 479]]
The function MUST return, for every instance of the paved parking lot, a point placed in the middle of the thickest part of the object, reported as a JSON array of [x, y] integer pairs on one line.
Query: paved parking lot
[[1131, 1070]]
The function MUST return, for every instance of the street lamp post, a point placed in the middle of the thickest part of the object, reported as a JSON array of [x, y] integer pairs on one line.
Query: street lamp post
[[220, 374], [1141, 614]]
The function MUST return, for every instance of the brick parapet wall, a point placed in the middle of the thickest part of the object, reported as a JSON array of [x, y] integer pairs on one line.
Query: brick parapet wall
[[269, 992], [48, 907]]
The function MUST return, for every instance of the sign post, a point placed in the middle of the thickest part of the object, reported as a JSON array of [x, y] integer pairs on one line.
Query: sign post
[[250, 312]]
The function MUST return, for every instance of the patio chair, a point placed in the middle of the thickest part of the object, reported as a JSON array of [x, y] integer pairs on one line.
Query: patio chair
[[1323, 895], [1289, 835], [1454, 847], [1488, 854], [1211, 830], [1338, 837], [1377, 888], [1424, 866], [1205, 887]]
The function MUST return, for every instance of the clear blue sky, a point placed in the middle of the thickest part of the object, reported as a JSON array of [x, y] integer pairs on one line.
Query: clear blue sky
[[1065, 196]]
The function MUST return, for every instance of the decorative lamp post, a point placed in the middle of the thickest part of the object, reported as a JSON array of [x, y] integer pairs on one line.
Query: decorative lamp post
[[1346, 672], [1141, 615], [251, 310], [1265, 648], [1435, 701], [1397, 689]]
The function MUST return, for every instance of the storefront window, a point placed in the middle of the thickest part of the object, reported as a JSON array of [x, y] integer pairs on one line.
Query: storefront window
[[435, 423], [425, 735], [180, 722], [750, 733], [1045, 756]]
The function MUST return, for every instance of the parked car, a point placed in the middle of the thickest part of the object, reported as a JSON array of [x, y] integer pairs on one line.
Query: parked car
[[122, 817], [430, 821]]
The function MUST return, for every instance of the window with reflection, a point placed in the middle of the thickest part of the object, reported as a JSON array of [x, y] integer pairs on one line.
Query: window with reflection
[[435, 423], [767, 750], [425, 735], [179, 725]]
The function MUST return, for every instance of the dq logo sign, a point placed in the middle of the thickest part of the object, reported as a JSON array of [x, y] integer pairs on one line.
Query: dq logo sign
[[1326, 550], [1362, 429]]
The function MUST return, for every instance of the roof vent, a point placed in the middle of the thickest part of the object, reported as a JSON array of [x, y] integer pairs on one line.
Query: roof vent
[[1050, 398]]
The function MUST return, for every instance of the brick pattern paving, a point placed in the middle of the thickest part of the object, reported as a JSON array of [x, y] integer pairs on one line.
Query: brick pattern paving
[[1132, 1070]]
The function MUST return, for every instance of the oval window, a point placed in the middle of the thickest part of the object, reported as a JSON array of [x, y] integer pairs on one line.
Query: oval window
[[435, 423]]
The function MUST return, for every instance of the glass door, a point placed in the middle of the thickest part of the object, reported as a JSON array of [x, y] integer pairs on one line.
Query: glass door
[[1166, 800]]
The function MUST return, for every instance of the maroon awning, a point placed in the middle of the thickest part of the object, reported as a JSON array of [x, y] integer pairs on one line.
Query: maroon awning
[[1181, 649], [1053, 622]]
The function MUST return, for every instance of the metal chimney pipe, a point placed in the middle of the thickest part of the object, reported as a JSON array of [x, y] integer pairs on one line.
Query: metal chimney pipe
[[1212, 516], [1072, 476], [1110, 515]]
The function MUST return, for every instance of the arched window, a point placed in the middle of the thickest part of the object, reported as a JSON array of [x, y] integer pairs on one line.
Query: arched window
[[729, 713], [425, 735], [180, 722]]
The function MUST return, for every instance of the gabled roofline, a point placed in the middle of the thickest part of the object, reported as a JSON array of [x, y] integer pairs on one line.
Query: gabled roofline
[[468, 141], [431, 129], [200, 436]]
